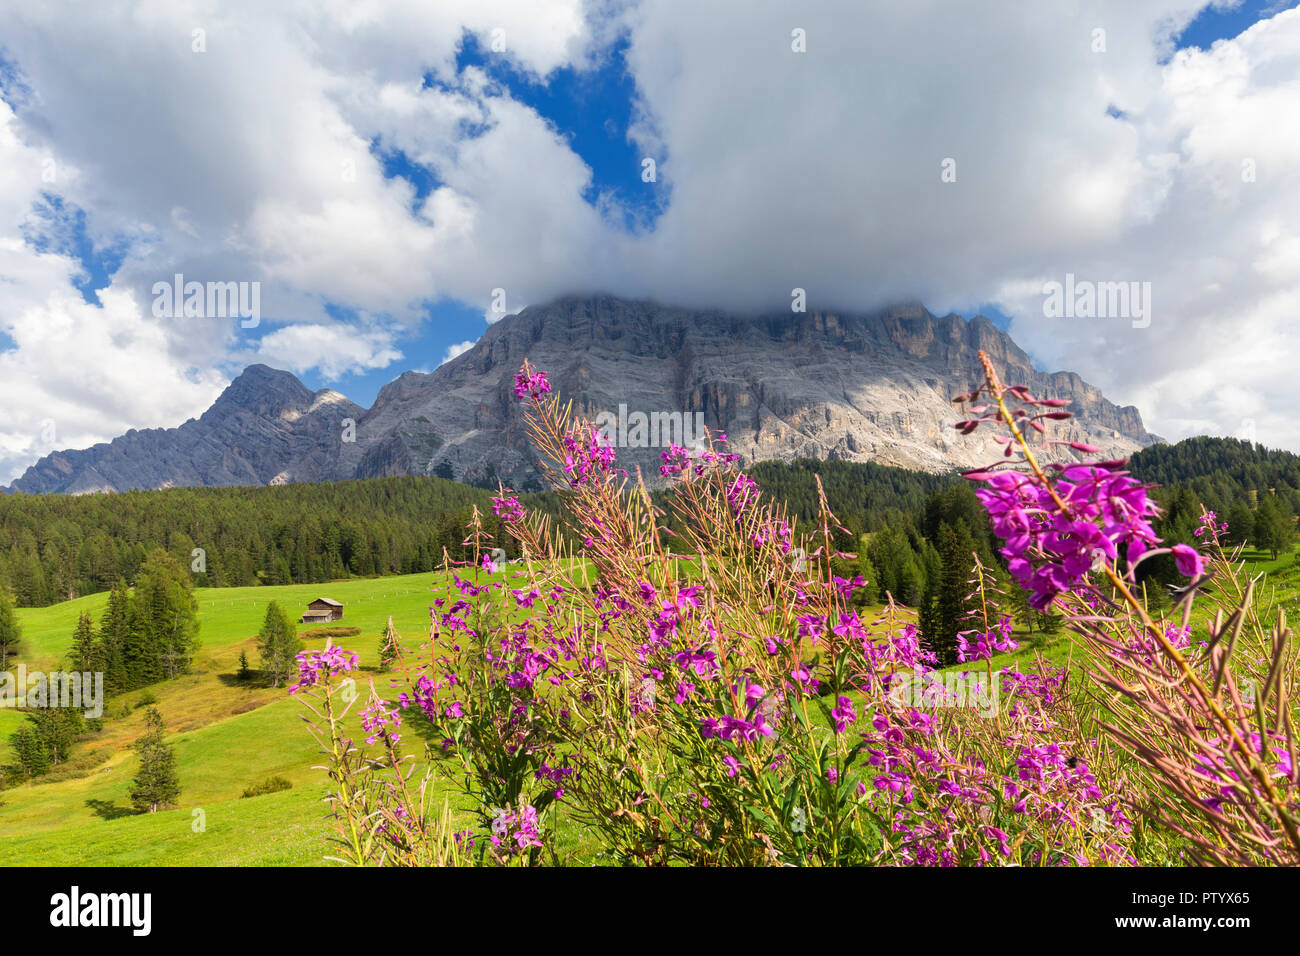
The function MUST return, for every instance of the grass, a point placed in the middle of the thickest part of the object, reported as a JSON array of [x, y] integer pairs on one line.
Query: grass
[[229, 736]]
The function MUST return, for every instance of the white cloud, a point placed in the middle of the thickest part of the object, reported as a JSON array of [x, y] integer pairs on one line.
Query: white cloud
[[460, 348], [333, 349], [253, 161]]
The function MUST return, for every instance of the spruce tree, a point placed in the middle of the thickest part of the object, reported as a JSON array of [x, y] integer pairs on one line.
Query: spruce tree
[[87, 652], [44, 740], [278, 644], [944, 607], [155, 785], [168, 618], [11, 631], [114, 628], [1241, 523], [1274, 525]]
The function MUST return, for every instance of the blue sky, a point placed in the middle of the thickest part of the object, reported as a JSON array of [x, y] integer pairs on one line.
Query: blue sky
[[396, 165], [1223, 23], [592, 109]]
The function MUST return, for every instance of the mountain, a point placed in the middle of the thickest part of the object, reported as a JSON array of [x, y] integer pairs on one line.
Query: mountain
[[266, 428], [857, 387]]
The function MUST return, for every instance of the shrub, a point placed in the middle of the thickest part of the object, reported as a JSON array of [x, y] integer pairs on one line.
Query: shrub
[[330, 631], [269, 785]]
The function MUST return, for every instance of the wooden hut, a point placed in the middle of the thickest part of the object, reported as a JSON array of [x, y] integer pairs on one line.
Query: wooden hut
[[322, 611]]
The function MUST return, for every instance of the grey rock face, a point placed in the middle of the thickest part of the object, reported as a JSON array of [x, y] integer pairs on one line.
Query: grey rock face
[[265, 428], [872, 387], [859, 387]]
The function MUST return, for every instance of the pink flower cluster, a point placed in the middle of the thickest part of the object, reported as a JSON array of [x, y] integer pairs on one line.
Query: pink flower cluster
[[508, 509], [678, 460], [519, 828], [378, 721], [314, 666], [1211, 528], [530, 383], [974, 646], [1049, 550], [587, 454]]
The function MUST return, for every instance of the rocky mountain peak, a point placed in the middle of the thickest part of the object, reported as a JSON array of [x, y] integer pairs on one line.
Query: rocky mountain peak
[[869, 386]]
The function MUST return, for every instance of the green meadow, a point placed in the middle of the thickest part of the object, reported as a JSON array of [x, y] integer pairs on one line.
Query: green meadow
[[227, 735], [230, 735]]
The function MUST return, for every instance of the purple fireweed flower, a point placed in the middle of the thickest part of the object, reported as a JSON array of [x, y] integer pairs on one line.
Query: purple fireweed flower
[[521, 827], [1004, 841], [742, 494], [508, 509], [525, 599], [845, 588], [850, 627], [676, 460], [587, 454], [531, 384], [313, 666], [1049, 551], [981, 647], [843, 714], [1190, 563], [812, 626], [379, 721]]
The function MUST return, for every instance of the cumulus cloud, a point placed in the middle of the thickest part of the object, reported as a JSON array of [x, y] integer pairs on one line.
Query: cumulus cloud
[[333, 349], [224, 144], [460, 348], [1081, 144]]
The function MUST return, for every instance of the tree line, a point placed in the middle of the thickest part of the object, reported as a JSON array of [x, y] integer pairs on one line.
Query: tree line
[[55, 548]]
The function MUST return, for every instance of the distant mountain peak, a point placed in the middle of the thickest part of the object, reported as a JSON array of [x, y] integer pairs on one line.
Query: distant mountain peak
[[869, 386], [265, 427]]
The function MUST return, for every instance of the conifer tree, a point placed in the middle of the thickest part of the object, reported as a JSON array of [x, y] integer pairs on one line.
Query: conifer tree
[[114, 628], [155, 785], [11, 631], [944, 607], [1274, 525], [278, 644], [167, 616], [44, 740], [87, 652]]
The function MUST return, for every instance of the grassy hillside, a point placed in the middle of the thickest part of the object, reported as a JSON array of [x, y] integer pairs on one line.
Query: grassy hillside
[[227, 736]]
